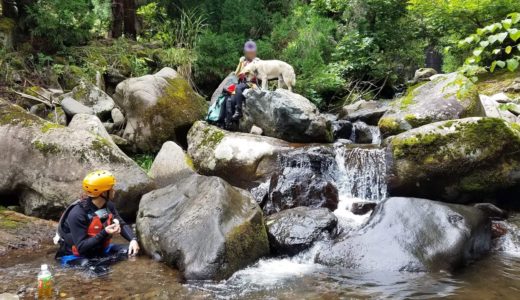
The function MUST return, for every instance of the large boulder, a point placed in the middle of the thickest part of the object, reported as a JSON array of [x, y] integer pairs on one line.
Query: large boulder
[[90, 123], [93, 97], [72, 107], [367, 111], [170, 165], [446, 97], [410, 234], [239, 158], [285, 115], [302, 179], [472, 159], [423, 74], [43, 164], [497, 107], [159, 108], [229, 80], [203, 226], [294, 230]]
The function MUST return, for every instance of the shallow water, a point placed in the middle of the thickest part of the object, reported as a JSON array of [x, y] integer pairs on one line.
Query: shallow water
[[359, 175], [497, 276]]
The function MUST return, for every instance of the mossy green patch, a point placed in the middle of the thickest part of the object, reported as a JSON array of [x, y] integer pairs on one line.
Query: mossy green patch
[[497, 82], [175, 112], [245, 243], [6, 24], [49, 126], [212, 137], [389, 126], [15, 115], [189, 161], [46, 148], [408, 99]]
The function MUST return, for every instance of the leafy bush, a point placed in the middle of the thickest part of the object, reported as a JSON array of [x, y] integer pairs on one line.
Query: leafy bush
[[494, 46], [66, 23]]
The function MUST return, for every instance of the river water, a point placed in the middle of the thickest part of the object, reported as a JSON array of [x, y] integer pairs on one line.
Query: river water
[[359, 175]]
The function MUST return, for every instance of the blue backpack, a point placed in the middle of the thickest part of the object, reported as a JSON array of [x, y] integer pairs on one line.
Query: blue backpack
[[217, 111]]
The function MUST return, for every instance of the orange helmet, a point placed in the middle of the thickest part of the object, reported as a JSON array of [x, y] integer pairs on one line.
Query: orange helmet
[[98, 182]]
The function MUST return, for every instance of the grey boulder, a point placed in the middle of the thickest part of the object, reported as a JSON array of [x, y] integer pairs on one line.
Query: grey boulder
[[285, 115], [240, 158], [446, 97], [411, 234], [91, 96], [294, 230], [203, 226], [159, 108], [170, 165], [44, 164], [72, 107]]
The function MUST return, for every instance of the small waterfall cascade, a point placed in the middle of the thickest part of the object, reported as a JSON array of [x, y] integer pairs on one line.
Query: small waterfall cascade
[[363, 133], [361, 173]]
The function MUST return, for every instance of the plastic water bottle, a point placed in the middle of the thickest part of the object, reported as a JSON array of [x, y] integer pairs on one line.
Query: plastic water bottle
[[44, 283]]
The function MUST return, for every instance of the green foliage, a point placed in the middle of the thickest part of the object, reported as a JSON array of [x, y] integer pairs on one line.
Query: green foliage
[[144, 161], [494, 46], [66, 23]]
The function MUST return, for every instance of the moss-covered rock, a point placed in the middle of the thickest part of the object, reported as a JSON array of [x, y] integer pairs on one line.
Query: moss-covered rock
[[446, 97], [45, 163], [493, 83], [7, 26], [203, 226], [158, 108], [460, 160], [221, 153]]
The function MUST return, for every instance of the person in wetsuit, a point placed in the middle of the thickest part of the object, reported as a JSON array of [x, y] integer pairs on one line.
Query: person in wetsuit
[[238, 98], [86, 228]]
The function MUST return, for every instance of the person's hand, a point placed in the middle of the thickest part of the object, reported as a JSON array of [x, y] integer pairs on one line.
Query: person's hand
[[112, 229], [133, 249]]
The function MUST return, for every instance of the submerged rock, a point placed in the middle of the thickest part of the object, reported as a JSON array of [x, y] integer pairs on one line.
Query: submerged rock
[[158, 108], [203, 226], [411, 234], [464, 160], [294, 230], [441, 99], [303, 180], [285, 115], [239, 158], [44, 164], [23, 232], [170, 165]]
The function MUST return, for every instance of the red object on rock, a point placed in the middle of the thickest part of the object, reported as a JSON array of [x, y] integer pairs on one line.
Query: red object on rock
[[231, 89]]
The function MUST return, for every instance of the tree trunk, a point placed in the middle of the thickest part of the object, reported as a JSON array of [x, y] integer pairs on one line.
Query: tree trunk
[[130, 19], [117, 18]]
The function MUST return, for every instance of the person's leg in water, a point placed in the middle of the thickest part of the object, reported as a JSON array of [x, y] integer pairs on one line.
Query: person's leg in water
[[98, 265], [238, 100]]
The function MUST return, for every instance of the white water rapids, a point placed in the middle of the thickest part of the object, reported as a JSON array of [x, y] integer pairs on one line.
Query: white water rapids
[[359, 175]]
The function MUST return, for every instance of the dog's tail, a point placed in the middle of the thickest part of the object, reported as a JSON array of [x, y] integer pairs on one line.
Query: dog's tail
[[290, 78]]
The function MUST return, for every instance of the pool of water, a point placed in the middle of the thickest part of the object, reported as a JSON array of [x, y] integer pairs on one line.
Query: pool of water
[[496, 276]]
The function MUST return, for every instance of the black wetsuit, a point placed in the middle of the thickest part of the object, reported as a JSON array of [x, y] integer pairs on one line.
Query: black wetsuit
[[76, 227]]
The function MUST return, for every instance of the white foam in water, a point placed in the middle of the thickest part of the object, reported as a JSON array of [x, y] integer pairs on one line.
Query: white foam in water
[[360, 176], [510, 243]]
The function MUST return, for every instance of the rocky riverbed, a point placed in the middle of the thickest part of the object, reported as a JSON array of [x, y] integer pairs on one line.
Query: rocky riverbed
[[378, 201]]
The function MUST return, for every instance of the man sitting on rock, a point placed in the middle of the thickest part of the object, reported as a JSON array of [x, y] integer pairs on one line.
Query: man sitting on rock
[[85, 230], [237, 100]]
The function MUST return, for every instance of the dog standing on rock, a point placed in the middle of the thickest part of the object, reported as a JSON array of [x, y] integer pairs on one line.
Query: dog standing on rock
[[266, 70]]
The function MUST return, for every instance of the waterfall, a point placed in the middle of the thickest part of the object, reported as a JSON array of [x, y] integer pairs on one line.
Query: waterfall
[[363, 133], [361, 173], [360, 176]]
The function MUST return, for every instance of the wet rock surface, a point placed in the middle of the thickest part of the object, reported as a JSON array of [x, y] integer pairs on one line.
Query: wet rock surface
[[294, 230], [203, 226], [21, 232], [366, 111], [302, 180], [411, 234]]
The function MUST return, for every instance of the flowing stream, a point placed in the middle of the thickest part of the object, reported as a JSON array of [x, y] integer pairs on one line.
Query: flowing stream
[[359, 175]]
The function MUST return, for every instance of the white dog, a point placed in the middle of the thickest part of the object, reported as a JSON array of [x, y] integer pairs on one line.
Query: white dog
[[266, 70]]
